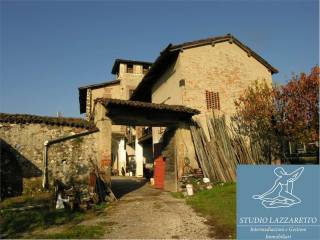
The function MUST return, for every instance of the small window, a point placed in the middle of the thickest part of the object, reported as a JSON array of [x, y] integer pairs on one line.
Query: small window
[[129, 68], [212, 100], [145, 69]]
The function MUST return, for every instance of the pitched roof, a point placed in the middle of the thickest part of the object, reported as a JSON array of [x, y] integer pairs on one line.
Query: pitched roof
[[229, 38], [147, 105], [83, 92], [115, 68], [169, 55], [58, 121]]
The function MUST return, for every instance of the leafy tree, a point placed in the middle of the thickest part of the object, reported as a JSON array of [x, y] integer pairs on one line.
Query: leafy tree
[[255, 110], [271, 116], [297, 106]]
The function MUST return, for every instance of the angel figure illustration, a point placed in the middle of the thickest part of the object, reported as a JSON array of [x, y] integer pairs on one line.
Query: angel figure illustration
[[281, 193]]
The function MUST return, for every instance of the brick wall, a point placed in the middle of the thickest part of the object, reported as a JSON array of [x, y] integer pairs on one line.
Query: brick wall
[[224, 68]]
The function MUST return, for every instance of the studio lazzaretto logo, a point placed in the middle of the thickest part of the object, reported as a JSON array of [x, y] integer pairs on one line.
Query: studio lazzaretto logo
[[278, 202], [282, 188]]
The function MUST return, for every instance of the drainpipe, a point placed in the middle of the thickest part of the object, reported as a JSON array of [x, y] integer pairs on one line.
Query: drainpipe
[[48, 143], [45, 165]]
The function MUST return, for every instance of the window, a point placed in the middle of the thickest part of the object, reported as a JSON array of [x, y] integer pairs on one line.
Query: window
[[213, 100], [182, 83], [129, 68], [145, 69]]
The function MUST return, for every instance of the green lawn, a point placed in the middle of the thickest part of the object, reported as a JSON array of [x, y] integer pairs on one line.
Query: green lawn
[[28, 223], [218, 205]]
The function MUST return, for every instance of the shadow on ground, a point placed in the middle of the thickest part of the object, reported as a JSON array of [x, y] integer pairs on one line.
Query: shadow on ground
[[124, 185]]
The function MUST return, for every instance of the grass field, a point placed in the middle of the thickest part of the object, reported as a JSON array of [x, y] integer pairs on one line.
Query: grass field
[[218, 205], [36, 223]]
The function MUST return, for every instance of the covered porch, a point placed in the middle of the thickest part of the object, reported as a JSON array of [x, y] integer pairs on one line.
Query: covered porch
[[177, 118]]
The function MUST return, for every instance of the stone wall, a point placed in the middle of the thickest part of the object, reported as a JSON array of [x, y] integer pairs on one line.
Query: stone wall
[[72, 160], [129, 81], [113, 91], [120, 90], [169, 153], [224, 68], [22, 147]]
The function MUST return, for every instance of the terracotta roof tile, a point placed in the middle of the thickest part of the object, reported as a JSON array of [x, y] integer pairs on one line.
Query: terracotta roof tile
[[58, 121], [147, 105]]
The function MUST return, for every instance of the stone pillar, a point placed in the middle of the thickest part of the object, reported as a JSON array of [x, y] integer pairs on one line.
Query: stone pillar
[[185, 156], [139, 159], [122, 157], [104, 160]]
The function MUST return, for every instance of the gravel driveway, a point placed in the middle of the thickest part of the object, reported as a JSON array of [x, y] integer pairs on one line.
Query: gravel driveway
[[148, 213]]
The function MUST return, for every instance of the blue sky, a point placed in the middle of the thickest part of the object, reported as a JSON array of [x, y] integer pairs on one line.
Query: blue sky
[[50, 48]]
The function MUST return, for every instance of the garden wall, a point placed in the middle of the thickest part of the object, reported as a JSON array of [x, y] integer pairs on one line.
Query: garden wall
[[22, 146]]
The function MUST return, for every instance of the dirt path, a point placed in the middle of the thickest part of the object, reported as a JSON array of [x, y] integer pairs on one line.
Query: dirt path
[[148, 213]]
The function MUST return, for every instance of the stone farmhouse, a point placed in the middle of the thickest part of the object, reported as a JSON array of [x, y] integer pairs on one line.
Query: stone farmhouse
[[142, 114]]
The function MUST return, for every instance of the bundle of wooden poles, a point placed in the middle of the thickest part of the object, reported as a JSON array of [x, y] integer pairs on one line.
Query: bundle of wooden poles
[[220, 152]]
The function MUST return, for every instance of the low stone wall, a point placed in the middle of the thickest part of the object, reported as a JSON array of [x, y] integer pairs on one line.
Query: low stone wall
[[72, 160], [22, 148]]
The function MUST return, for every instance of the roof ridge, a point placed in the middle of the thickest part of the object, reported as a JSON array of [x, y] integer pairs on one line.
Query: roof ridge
[[229, 35]]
